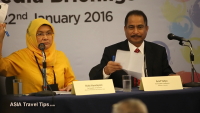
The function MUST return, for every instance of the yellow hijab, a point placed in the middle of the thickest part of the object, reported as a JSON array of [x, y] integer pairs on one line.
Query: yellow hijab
[[32, 43]]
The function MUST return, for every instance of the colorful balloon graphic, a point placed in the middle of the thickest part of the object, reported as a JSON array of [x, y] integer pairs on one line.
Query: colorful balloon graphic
[[171, 12], [186, 76], [183, 29], [194, 13], [186, 52]]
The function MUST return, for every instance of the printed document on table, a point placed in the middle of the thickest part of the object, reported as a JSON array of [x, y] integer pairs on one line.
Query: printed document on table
[[132, 63], [3, 11], [62, 92]]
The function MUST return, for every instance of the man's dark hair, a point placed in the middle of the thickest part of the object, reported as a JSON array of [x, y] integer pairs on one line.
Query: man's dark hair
[[138, 13]]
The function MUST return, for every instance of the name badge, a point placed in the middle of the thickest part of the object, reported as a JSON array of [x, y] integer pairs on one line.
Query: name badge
[[91, 87], [160, 83]]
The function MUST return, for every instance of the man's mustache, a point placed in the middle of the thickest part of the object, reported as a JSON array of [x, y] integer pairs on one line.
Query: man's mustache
[[135, 36]]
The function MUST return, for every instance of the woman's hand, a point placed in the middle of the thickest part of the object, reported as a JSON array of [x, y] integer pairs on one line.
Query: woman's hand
[[68, 88], [2, 32]]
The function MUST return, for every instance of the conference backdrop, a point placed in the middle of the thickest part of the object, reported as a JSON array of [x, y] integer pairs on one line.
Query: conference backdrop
[[83, 28]]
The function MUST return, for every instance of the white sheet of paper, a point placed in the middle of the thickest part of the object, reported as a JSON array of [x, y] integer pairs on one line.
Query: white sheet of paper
[[134, 74], [3, 11], [132, 63], [123, 57], [62, 92]]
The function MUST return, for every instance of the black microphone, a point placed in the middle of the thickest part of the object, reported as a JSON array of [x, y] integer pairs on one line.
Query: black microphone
[[41, 46], [45, 92], [174, 37]]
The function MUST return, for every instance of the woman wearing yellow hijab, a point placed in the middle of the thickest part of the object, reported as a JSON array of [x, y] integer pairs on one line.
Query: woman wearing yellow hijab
[[26, 64]]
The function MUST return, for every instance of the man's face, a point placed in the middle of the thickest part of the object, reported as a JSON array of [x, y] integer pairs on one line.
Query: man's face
[[136, 30]]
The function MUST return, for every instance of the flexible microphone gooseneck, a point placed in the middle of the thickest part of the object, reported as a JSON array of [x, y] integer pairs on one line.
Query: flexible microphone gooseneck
[[41, 46], [45, 92]]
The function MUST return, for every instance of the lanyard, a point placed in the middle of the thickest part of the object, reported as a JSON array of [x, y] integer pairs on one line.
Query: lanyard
[[41, 70]]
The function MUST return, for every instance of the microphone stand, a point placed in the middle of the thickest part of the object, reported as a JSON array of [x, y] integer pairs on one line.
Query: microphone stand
[[44, 72], [45, 92], [192, 83]]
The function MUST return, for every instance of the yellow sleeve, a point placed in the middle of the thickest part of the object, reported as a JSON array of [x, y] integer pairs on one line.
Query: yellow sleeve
[[10, 66], [68, 72]]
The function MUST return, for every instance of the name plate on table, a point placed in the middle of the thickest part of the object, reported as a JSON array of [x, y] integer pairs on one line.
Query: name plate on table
[[160, 83], [91, 87]]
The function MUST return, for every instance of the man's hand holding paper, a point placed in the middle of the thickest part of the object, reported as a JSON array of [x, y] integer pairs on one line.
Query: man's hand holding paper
[[112, 67]]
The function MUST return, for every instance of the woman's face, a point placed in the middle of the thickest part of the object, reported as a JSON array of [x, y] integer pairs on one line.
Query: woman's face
[[45, 35]]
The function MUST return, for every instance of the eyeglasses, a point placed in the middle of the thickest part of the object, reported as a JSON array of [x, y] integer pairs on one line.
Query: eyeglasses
[[41, 34]]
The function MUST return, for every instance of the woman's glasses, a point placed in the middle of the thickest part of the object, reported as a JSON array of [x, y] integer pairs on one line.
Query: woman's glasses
[[42, 34]]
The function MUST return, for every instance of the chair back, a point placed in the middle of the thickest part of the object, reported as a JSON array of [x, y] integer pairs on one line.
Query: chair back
[[9, 85]]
